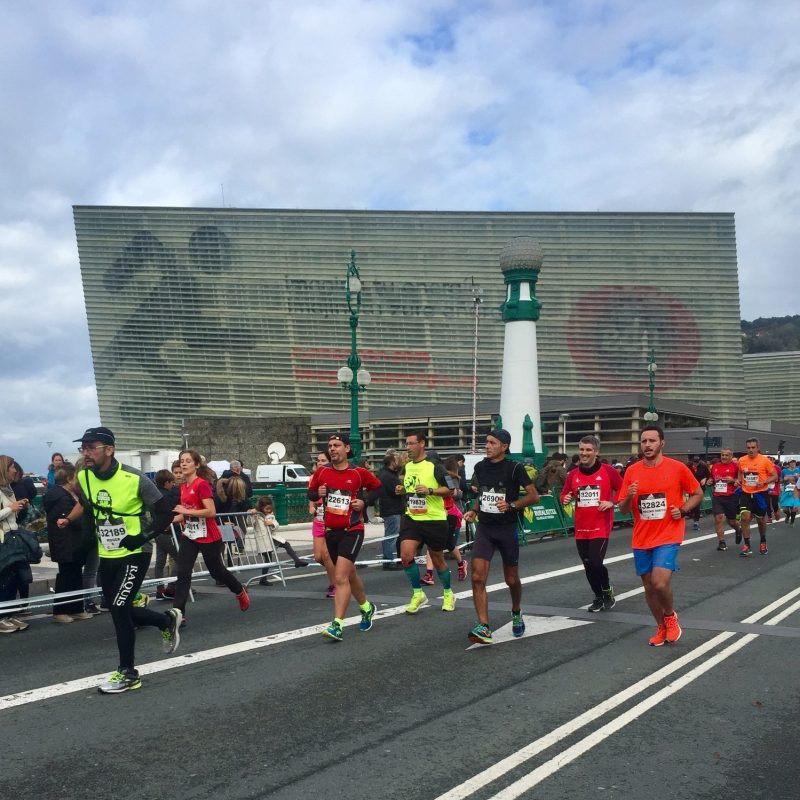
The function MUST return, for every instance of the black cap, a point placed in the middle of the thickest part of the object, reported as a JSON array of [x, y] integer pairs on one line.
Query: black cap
[[102, 435], [342, 437], [502, 436]]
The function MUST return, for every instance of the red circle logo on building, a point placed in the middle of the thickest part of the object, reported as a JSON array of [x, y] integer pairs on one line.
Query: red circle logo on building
[[612, 329]]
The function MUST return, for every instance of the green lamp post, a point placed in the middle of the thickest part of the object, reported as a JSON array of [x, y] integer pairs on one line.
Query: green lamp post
[[353, 377], [651, 415]]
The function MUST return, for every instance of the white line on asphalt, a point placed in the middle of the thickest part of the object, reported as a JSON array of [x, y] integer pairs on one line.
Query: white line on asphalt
[[497, 770]]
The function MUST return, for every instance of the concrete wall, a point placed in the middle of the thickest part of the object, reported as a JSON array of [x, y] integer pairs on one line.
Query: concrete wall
[[247, 438]]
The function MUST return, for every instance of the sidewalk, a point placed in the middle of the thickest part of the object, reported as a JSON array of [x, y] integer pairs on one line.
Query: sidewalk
[[298, 535]]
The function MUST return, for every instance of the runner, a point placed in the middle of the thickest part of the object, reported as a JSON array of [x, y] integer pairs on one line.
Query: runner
[[498, 482], [339, 485], [200, 533], [724, 499], [593, 486], [321, 555], [425, 486], [790, 497], [115, 497], [756, 472], [654, 489]]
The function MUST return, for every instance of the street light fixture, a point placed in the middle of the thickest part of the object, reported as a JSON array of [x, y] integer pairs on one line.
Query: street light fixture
[[354, 377], [651, 415], [562, 418]]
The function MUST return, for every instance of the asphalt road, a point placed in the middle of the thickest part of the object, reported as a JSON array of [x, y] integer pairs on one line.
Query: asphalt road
[[259, 704]]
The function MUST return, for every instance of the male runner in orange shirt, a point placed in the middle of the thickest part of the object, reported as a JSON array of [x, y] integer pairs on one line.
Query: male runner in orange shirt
[[756, 472], [655, 489]]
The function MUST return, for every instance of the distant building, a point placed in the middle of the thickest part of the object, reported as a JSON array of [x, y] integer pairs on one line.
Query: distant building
[[241, 312], [772, 386]]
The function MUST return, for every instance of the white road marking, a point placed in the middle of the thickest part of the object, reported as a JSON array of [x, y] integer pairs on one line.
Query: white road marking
[[497, 770], [534, 626]]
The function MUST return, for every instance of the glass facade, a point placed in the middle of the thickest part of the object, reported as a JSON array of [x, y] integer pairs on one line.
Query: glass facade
[[241, 312]]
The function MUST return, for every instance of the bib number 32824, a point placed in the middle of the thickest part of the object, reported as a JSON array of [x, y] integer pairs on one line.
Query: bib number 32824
[[653, 506]]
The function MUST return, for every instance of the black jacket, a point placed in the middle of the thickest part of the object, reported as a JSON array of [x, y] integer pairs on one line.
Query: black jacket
[[391, 504]]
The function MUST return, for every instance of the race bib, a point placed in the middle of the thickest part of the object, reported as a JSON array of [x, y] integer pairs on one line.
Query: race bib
[[489, 501], [195, 528], [111, 534], [653, 506], [751, 479], [417, 504], [588, 496], [320, 512], [338, 504], [720, 487]]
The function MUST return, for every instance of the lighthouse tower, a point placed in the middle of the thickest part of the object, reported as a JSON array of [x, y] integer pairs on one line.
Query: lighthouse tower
[[520, 261]]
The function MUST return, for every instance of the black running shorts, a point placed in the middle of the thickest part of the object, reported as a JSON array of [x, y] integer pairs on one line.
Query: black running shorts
[[727, 504], [344, 543], [433, 533], [504, 538]]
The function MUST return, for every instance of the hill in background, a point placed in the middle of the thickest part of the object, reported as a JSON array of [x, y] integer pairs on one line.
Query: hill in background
[[771, 334]]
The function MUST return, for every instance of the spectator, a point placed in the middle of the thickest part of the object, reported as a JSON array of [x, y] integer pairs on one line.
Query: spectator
[[56, 461], [15, 572], [265, 525], [24, 489], [68, 547], [553, 474], [392, 507], [166, 549], [237, 471]]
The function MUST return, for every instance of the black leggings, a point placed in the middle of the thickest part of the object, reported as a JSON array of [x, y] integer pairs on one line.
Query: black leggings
[[592, 553], [69, 579], [212, 555], [121, 579]]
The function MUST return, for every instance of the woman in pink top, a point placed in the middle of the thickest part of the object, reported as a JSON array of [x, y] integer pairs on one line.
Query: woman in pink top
[[321, 555], [201, 533]]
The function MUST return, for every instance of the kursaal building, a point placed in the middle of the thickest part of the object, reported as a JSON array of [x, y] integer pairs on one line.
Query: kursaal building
[[241, 312]]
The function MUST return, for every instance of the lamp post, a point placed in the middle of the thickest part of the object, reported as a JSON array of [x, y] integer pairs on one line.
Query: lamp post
[[651, 415], [477, 299], [353, 377], [562, 433]]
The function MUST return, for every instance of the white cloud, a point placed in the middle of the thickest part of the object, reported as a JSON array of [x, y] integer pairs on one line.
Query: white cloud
[[510, 104]]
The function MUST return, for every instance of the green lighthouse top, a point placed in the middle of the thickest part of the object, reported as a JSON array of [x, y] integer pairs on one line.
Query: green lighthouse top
[[520, 261]]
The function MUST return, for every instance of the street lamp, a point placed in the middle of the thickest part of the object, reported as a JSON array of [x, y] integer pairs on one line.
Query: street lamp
[[477, 299], [353, 377], [562, 418], [651, 415]]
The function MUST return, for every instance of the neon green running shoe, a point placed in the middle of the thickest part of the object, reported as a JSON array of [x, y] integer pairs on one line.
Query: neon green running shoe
[[141, 600], [418, 600], [448, 600], [480, 634], [333, 631]]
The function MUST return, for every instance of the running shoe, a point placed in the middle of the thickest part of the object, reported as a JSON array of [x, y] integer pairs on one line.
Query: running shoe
[[673, 628], [331, 591], [427, 579], [517, 624], [762, 548], [418, 600], [18, 623], [660, 637], [93, 609], [609, 601], [366, 618], [462, 570], [244, 599], [722, 545], [7, 626], [141, 600], [448, 600], [63, 619], [480, 634], [745, 551], [738, 536], [333, 631], [119, 682], [597, 604], [171, 636]]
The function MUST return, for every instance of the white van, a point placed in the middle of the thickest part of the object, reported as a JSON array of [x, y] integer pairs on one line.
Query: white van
[[288, 473]]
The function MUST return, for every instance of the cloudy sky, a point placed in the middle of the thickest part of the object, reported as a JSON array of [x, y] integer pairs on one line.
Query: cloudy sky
[[537, 105]]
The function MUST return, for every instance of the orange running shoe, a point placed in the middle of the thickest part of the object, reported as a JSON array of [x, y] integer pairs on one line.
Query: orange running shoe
[[673, 628], [660, 637], [244, 599]]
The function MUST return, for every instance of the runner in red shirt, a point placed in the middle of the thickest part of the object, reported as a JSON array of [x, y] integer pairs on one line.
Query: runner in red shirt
[[593, 486], [340, 485], [200, 534], [654, 488], [724, 501]]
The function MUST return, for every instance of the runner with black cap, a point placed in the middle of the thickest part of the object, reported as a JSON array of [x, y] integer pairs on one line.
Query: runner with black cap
[[340, 487], [498, 482], [115, 498]]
